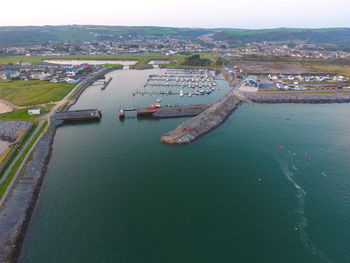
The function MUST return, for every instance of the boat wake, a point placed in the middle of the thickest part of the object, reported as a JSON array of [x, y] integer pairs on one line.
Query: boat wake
[[301, 194]]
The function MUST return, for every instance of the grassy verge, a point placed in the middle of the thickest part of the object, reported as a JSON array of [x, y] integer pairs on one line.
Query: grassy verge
[[22, 114], [16, 166]]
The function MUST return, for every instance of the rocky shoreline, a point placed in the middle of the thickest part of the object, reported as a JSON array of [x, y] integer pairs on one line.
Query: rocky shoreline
[[16, 213], [310, 98]]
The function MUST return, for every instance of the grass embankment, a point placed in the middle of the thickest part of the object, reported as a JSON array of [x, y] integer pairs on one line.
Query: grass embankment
[[33, 92], [22, 114], [15, 167]]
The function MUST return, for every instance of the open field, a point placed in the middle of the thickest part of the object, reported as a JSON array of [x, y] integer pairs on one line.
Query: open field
[[335, 68], [273, 67], [292, 65], [33, 92]]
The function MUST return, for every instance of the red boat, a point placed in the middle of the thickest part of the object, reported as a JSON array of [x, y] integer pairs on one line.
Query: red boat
[[153, 106]]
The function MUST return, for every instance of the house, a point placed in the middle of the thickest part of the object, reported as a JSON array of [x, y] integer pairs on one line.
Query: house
[[9, 74], [34, 111]]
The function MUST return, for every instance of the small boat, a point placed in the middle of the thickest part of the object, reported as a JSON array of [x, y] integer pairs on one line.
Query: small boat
[[158, 100], [153, 106], [181, 93], [189, 94]]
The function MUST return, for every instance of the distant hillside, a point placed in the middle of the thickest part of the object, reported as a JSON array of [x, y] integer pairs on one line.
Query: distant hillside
[[338, 36], [35, 34]]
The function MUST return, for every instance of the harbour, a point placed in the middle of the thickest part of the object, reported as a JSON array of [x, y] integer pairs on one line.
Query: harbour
[[182, 208], [104, 132]]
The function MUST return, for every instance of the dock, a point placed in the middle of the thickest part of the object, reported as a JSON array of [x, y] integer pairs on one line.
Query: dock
[[168, 111], [78, 115]]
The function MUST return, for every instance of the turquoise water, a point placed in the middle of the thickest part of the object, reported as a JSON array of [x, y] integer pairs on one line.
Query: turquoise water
[[113, 193]]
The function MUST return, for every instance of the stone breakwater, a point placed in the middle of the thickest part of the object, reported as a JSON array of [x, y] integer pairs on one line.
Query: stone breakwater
[[206, 121], [312, 98], [9, 129], [17, 209]]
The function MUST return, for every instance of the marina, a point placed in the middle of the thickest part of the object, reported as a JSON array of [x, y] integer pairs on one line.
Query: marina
[[182, 82]]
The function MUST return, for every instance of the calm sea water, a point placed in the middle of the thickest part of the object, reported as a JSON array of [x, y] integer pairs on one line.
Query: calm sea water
[[113, 193]]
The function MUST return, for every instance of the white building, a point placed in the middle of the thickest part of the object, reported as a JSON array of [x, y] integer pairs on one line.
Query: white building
[[34, 111]]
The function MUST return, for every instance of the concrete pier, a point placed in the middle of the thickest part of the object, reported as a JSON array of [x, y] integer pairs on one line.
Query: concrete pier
[[78, 115], [168, 111]]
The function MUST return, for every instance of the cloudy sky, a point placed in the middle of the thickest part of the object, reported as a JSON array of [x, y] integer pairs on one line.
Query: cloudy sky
[[179, 13]]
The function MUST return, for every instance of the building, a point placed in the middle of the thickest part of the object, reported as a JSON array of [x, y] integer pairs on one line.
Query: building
[[34, 111]]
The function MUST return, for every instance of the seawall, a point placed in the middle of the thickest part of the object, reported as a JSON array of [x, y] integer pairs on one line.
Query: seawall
[[16, 212], [201, 124], [84, 85], [310, 98]]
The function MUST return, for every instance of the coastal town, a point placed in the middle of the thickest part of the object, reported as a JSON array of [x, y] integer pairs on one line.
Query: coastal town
[[203, 78]]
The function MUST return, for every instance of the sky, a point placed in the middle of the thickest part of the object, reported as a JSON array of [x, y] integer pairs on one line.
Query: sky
[[179, 13]]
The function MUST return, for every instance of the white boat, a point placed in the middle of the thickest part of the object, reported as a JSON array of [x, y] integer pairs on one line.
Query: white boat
[[189, 94], [181, 93], [158, 100]]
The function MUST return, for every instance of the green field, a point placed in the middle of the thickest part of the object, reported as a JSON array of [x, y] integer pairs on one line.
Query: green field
[[22, 115], [33, 92]]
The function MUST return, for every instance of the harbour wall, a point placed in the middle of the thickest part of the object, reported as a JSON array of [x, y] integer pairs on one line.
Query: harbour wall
[[84, 85], [206, 121], [310, 98]]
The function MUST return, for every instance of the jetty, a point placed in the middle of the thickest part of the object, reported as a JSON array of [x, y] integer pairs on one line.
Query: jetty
[[106, 83], [78, 115], [168, 111], [204, 122]]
